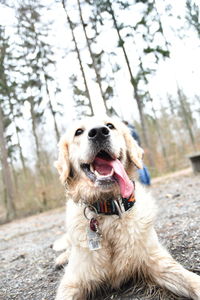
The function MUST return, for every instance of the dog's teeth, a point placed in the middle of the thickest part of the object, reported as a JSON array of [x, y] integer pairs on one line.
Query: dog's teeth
[[112, 172], [97, 174], [92, 168], [104, 176]]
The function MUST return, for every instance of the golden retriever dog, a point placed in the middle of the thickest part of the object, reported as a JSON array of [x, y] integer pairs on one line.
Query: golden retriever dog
[[110, 236]]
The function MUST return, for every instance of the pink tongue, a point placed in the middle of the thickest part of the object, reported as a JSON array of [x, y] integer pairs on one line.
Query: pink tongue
[[104, 167]]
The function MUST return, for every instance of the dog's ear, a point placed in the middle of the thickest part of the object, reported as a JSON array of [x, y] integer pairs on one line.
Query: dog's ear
[[135, 152], [62, 164]]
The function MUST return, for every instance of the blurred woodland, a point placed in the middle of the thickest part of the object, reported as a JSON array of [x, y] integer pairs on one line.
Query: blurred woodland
[[36, 104]]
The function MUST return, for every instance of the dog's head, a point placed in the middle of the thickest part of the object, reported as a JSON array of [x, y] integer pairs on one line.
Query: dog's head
[[95, 157]]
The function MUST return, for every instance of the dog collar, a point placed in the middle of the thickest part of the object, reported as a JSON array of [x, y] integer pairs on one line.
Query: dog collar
[[114, 206]]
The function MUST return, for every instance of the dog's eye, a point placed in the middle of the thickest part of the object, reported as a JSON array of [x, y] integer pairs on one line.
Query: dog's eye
[[78, 132], [110, 126]]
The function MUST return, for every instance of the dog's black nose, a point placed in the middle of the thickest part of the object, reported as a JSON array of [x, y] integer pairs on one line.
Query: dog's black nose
[[99, 133]]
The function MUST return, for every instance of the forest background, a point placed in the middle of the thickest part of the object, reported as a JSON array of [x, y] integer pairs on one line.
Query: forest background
[[61, 60]]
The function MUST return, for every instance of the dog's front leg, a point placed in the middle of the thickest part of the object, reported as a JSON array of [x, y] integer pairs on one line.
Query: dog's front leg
[[70, 288], [82, 275], [170, 274], [62, 244]]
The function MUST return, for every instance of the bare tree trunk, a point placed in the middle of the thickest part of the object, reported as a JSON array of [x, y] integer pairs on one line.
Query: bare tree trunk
[[7, 178], [119, 113], [92, 56], [156, 122], [178, 127], [39, 160], [162, 143], [171, 105], [35, 135], [20, 150], [36, 144], [186, 118], [133, 82], [51, 109], [15, 125], [18, 139], [79, 58], [142, 117]]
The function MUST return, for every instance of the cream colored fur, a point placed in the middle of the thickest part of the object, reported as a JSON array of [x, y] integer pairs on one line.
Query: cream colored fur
[[129, 245]]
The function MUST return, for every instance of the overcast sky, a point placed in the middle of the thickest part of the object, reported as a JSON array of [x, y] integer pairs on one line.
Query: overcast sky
[[183, 68]]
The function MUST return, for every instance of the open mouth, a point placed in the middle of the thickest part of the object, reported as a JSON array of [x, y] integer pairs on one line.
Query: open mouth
[[106, 170], [100, 168]]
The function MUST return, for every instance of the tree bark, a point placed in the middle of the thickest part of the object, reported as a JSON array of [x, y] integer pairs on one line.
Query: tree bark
[[156, 122], [162, 143], [171, 105], [51, 109], [186, 118], [18, 138], [14, 122], [33, 125], [7, 178], [132, 79], [92, 56], [79, 58]]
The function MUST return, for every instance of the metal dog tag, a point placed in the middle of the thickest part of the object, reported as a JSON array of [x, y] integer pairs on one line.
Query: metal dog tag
[[94, 240], [94, 235]]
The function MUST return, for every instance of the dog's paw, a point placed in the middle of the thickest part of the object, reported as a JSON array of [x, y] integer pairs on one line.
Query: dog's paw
[[61, 260], [60, 244]]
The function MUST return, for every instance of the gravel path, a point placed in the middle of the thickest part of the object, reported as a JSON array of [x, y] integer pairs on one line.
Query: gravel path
[[27, 269]]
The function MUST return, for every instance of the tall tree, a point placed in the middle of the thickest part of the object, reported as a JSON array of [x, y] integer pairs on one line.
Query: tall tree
[[82, 107], [186, 115], [135, 80], [102, 59], [48, 78], [6, 172], [10, 88], [36, 60], [142, 75], [92, 56], [72, 26], [32, 84], [4, 122], [107, 6]]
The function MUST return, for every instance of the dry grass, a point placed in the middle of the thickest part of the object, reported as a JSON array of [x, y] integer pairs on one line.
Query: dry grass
[[33, 195]]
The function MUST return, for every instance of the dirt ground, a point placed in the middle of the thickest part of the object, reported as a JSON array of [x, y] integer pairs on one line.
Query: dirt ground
[[27, 269]]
